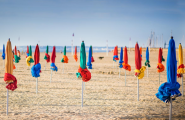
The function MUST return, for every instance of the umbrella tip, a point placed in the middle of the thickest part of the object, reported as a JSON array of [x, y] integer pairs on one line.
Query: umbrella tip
[[82, 41], [9, 39], [179, 43], [171, 37]]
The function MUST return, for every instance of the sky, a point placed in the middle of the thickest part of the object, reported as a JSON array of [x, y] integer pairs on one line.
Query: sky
[[52, 22]]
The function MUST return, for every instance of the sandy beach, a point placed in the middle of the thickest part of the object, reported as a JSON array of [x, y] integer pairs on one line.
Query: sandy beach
[[105, 95]]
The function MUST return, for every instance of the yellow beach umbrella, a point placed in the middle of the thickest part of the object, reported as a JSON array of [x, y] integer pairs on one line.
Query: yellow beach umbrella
[[180, 69]]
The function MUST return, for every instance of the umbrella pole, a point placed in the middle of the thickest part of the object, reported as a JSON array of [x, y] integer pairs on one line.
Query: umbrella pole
[[113, 64], [84, 85], [159, 78], [119, 72], [7, 103], [147, 71], [125, 77], [51, 76], [170, 116], [82, 94], [3, 63], [137, 89], [45, 65], [36, 85], [63, 67], [182, 86], [30, 67]]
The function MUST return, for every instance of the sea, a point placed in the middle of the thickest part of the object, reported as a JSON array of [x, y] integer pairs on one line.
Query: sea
[[61, 48]]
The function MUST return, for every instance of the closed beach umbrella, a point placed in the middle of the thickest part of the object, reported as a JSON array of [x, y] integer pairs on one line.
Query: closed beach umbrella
[[19, 54], [89, 58], [115, 56], [65, 58], [160, 66], [92, 58], [140, 49], [75, 55], [10, 80], [126, 66], [29, 59], [121, 58], [162, 56], [53, 56], [169, 90], [3, 54], [27, 52], [180, 69], [83, 71], [147, 63], [16, 56], [47, 57], [36, 68], [139, 71]]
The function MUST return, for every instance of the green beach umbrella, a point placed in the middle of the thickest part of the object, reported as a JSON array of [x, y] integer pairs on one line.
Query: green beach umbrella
[[65, 58], [45, 57], [30, 54], [65, 50], [82, 56]]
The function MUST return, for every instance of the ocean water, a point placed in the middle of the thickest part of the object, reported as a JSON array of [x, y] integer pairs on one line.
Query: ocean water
[[61, 48]]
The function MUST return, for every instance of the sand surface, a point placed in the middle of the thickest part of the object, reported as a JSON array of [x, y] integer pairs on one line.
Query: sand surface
[[105, 95]]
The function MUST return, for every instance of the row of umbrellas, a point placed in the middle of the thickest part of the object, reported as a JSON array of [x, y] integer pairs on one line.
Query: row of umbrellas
[[167, 91]]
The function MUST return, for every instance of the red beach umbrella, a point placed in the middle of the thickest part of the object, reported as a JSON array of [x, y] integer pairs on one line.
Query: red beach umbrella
[[126, 66], [36, 55], [160, 66], [139, 72]]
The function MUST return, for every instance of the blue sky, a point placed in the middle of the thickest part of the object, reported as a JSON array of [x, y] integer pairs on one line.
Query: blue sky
[[52, 22]]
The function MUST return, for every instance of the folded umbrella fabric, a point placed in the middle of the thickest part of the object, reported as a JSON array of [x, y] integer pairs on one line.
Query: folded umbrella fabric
[[147, 63], [171, 87]]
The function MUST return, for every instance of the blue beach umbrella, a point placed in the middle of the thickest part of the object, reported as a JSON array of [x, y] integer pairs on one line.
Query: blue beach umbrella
[[89, 59], [171, 87], [3, 54], [121, 58], [147, 63]]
